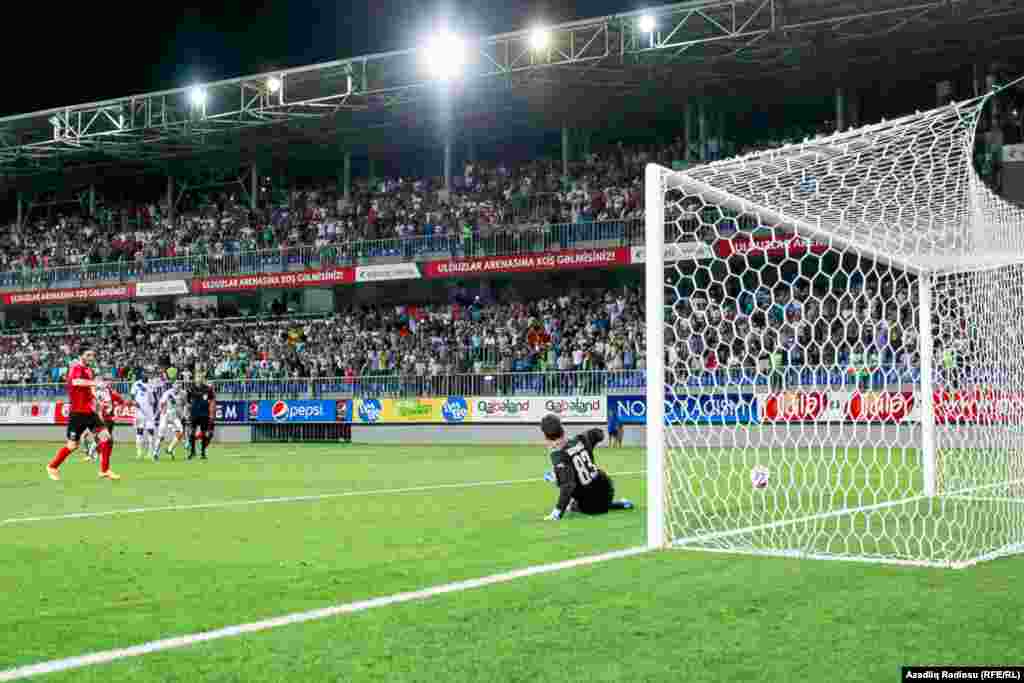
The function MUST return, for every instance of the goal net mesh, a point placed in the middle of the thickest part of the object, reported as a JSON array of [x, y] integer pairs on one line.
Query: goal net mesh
[[843, 318]]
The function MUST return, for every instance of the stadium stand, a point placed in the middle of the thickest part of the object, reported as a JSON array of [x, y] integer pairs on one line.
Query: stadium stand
[[522, 347], [736, 337]]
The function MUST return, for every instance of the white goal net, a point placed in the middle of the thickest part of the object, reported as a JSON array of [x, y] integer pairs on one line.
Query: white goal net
[[836, 350]]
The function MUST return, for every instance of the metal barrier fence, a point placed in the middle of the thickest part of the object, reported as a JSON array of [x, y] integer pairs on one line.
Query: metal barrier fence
[[530, 384], [496, 241]]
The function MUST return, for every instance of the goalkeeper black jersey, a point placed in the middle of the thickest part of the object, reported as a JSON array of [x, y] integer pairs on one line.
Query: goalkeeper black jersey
[[576, 469]]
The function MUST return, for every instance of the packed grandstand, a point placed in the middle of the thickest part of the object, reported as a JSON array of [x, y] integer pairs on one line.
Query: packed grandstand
[[740, 332]]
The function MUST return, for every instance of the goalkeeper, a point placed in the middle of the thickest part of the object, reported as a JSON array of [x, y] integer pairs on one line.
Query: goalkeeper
[[582, 487]]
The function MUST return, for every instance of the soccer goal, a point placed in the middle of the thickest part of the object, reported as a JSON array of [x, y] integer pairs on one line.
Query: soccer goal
[[835, 335]]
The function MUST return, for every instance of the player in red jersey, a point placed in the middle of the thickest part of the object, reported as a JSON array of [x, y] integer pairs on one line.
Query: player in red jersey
[[105, 401], [81, 384]]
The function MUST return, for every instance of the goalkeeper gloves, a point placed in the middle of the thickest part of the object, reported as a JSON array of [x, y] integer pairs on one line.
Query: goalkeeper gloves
[[555, 515], [550, 476]]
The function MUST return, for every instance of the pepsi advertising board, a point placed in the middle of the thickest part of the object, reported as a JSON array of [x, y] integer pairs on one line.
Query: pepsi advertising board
[[708, 409], [288, 411], [231, 412], [455, 410]]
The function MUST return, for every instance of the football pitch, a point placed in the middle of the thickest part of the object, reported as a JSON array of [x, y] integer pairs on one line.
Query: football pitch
[[263, 531]]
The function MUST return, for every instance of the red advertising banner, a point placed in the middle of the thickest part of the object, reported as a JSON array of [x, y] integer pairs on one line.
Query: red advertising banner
[[795, 406], [529, 263], [881, 406], [306, 278], [54, 296], [979, 407], [790, 245], [123, 415], [876, 407]]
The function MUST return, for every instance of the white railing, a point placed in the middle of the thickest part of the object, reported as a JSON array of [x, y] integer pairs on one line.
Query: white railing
[[571, 383]]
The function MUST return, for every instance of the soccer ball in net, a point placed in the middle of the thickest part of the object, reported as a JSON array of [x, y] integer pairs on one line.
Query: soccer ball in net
[[759, 477]]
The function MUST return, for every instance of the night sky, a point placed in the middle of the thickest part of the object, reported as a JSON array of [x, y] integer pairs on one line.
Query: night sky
[[112, 49]]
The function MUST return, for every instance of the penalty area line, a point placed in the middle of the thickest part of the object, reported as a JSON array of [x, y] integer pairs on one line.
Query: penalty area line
[[107, 656], [285, 499]]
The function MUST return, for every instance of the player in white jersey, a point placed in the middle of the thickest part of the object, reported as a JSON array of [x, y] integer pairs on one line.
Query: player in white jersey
[[146, 395], [171, 410]]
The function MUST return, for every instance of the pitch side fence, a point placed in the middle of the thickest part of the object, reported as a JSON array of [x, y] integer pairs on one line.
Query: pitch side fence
[[518, 384]]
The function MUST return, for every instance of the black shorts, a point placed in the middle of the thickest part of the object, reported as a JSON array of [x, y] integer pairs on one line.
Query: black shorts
[[200, 422], [596, 497], [80, 423]]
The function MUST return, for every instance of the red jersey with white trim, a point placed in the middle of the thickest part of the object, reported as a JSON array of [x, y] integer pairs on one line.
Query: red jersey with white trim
[[105, 400], [81, 397]]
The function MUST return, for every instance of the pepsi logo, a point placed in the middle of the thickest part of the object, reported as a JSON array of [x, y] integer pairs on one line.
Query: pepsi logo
[[279, 411], [455, 409], [370, 410]]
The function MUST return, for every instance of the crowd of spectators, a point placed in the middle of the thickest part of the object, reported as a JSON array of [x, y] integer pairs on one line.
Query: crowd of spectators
[[582, 330], [728, 335], [485, 199]]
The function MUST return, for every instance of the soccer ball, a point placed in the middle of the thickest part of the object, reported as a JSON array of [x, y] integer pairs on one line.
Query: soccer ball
[[759, 477]]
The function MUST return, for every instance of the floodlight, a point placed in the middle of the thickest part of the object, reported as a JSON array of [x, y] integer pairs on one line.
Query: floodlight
[[445, 55], [273, 84], [539, 38], [197, 96], [647, 23]]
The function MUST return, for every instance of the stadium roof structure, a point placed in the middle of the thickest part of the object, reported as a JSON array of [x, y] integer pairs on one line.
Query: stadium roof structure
[[584, 68]]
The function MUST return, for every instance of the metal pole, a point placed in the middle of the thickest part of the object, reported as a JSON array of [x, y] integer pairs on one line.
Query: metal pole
[[702, 130], [21, 210], [840, 110], [565, 150], [448, 161], [655, 307], [254, 188], [170, 199], [924, 284], [92, 200], [854, 105], [688, 113], [347, 177]]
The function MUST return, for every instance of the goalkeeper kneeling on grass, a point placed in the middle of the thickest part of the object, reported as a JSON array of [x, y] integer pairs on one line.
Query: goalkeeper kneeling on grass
[[582, 487]]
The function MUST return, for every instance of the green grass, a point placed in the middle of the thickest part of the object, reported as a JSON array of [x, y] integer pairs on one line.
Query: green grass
[[73, 586]]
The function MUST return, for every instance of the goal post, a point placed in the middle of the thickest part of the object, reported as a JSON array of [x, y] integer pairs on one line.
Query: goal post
[[835, 350], [654, 305]]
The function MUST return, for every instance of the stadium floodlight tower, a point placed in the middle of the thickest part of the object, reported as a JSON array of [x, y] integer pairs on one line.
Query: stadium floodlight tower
[[862, 295], [445, 56], [197, 98]]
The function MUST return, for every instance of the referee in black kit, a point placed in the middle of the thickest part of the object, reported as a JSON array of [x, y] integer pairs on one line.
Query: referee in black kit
[[202, 406]]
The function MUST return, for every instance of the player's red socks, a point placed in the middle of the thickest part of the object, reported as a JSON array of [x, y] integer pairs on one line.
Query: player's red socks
[[105, 449], [61, 456]]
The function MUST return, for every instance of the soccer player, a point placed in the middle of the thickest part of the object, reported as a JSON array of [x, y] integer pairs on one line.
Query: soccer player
[[582, 486], [171, 408], [106, 399], [614, 430], [91, 446], [81, 383], [202, 407], [145, 420]]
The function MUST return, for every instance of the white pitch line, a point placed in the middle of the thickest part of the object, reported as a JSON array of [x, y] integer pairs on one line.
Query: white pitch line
[[107, 656], [269, 501], [984, 499]]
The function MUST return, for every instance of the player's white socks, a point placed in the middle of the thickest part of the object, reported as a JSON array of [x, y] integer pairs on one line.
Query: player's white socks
[[140, 445]]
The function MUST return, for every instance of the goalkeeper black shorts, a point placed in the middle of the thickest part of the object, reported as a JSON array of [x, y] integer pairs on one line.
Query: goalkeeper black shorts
[[596, 497]]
